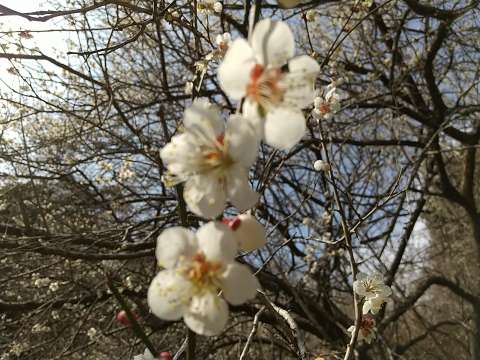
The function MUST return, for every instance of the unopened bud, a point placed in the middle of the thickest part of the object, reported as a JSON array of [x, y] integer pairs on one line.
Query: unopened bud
[[123, 319], [306, 221], [165, 355], [321, 165], [218, 7]]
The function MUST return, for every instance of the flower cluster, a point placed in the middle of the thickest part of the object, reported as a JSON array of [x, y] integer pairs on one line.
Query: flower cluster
[[373, 290], [212, 157]]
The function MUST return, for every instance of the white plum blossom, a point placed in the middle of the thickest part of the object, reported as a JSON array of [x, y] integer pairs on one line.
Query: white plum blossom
[[92, 333], [208, 6], [223, 42], [274, 84], [54, 286], [310, 15], [197, 268], [248, 232], [373, 289], [212, 160], [367, 329], [327, 105], [363, 4]]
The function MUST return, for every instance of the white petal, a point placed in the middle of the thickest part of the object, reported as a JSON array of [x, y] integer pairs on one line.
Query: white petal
[[174, 244], [359, 288], [169, 295], [239, 284], [205, 118], [207, 314], [239, 191], [250, 234], [373, 304], [273, 43], [387, 291], [180, 153], [299, 82], [367, 305], [234, 71], [205, 195], [147, 355], [284, 127], [377, 277], [361, 276], [242, 140], [251, 113], [216, 241]]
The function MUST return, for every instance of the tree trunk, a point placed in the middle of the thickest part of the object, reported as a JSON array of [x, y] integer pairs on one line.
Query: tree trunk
[[475, 340]]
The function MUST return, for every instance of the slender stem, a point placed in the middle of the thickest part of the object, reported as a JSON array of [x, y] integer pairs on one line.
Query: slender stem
[[191, 343], [348, 245], [136, 328]]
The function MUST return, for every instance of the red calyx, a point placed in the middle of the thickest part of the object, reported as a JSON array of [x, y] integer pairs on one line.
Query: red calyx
[[122, 318], [232, 223], [165, 355]]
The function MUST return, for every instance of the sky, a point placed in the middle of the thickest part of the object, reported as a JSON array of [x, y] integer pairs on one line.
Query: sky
[[47, 42]]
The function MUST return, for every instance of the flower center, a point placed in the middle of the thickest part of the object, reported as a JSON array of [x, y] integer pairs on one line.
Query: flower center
[[370, 286], [203, 273], [264, 86], [217, 156], [223, 46], [324, 108]]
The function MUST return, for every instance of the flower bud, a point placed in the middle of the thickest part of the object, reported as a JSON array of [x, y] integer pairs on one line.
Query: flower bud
[[218, 7], [165, 355], [123, 319], [188, 88], [321, 165]]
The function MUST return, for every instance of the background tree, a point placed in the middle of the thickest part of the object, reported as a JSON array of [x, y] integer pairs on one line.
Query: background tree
[[83, 199]]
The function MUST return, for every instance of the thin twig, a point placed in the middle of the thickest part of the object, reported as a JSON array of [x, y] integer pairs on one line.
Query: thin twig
[[252, 333]]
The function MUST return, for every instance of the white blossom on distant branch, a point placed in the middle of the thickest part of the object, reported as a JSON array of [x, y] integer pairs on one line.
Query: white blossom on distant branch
[[373, 289]]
